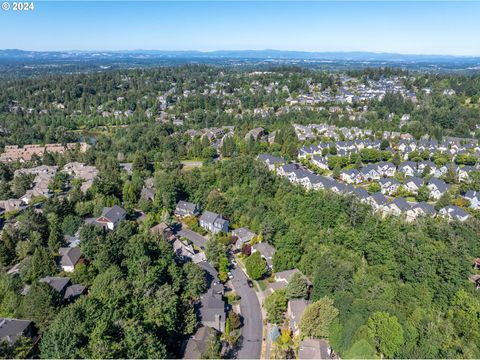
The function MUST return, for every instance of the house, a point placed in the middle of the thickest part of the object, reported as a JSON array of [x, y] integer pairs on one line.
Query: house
[[197, 343], [351, 176], [454, 213], [57, 283], [163, 230], [386, 169], [388, 186], [299, 176], [267, 251], [370, 173], [185, 208], [213, 222], [271, 161], [408, 168], [377, 201], [255, 134], [413, 184], [463, 173], [427, 164], [183, 250], [127, 167], [287, 169], [474, 198], [314, 349], [437, 188], [360, 193], [212, 308], [295, 311], [397, 206], [147, 193], [111, 217], [285, 276], [73, 292], [418, 210], [64, 287], [338, 187], [69, 258], [10, 205], [243, 236], [12, 329], [319, 161]]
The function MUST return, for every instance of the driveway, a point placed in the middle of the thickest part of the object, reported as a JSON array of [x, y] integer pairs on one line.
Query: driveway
[[194, 237], [252, 330]]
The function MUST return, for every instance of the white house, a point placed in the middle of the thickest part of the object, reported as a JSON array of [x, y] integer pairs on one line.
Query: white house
[[214, 223], [454, 213], [474, 198], [69, 258], [111, 217]]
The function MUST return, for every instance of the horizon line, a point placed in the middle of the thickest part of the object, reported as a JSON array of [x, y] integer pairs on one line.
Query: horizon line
[[247, 50]]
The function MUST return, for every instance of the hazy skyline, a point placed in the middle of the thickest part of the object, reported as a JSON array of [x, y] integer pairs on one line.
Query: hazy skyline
[[408, 27]]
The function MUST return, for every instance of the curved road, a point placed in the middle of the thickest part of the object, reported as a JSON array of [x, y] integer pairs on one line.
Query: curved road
[[252, 330]]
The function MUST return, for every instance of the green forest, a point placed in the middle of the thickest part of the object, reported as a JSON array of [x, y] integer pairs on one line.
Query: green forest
[[401, 289], [417, 273]]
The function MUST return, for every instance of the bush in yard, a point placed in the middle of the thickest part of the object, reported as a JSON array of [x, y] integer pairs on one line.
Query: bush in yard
[[256, 266], [297, 287], [276, 305]]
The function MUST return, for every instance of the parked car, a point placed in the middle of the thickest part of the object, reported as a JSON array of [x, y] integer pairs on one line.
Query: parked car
[[250, 283], [230, 275]]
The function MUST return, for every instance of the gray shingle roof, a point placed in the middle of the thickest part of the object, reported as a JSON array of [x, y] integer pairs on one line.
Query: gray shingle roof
[[439, 184], [212, 218], [57, 283], [379, 198], [270, 159], [69, 256], [12, 329], [186, 207], [74, 291], [114, 213], [401, 203]]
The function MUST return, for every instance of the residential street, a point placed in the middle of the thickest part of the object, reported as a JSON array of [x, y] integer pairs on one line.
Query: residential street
[[252, 316], [194, 237]]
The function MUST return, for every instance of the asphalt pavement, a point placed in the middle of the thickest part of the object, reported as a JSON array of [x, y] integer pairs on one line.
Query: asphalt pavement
[[194, 237], [252, 330]]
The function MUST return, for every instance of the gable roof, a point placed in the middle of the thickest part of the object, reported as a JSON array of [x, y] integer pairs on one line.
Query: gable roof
[[472, 194], [74, 291], [12, 329], [441, 185], [56, 282], [270, 159], [197, 343], [243, 234], [425, 207], [401, 203], [114, 213], [361, 193], [415, 180], [69, 256], [311, 349], [379, 198], [453, 210], [186, 207], [212, 218], [266, 250]]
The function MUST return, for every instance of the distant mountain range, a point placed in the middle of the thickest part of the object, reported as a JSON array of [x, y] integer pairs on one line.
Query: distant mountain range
[[19, 55]]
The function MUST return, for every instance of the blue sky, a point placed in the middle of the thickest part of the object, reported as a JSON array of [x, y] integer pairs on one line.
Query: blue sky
[[404, 27]]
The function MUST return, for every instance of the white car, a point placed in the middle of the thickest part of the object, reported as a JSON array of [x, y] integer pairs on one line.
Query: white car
[[230, 275]]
